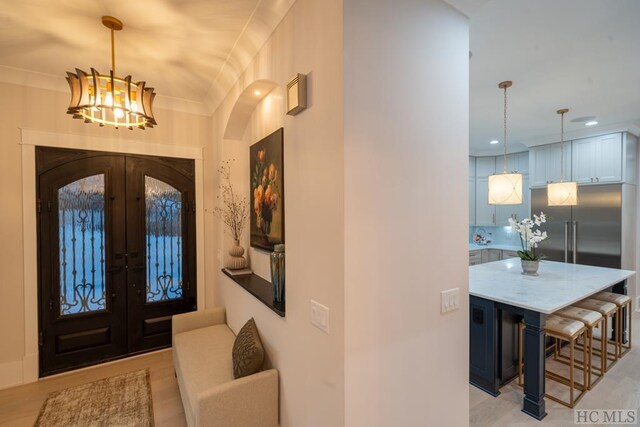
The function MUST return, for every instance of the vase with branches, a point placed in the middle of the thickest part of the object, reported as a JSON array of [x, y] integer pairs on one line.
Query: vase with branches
[[234, 214]]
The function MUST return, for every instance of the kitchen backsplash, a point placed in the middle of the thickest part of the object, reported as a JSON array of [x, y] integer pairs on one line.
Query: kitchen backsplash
[[495, 235]]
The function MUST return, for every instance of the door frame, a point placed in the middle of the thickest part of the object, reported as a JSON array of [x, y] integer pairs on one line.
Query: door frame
[[29, 139]]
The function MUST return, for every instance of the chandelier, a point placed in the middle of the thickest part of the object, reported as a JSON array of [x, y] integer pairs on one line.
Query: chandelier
[[562, 193], [107, 99], [505, 188]]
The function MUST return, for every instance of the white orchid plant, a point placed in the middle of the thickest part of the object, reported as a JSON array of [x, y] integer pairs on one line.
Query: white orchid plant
[[530, 238]]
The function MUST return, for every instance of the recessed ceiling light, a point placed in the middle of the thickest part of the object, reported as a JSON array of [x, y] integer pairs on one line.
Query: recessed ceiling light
[[494, 142], [591, 123], [257, 93]]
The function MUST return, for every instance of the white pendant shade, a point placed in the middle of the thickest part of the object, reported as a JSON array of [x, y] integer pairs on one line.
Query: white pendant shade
[[562, 194], [505, 189]]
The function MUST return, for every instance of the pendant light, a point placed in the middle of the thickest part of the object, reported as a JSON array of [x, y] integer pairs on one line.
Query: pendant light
[[108, 99], [562, 193], [505, 188]]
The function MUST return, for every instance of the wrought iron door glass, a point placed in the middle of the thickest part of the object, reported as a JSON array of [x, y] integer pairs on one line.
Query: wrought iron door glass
[[81, 229], [163, 220]]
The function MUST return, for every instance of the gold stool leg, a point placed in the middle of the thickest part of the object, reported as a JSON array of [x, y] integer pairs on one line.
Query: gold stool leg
[[571, 368], [624, 349]]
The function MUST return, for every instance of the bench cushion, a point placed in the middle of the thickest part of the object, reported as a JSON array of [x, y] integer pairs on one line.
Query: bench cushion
[[617, 299], [602, 307], [203, 360], [588, 317], [563, 326]]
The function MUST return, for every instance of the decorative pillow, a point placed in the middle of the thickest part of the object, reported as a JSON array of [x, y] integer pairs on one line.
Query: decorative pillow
[[248, 354]]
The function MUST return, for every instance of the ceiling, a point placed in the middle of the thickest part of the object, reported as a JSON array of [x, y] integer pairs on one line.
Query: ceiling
[[578, 54], [190, 51]]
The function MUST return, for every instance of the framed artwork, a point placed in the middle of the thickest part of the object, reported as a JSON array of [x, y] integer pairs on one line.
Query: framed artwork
[[266, 168]]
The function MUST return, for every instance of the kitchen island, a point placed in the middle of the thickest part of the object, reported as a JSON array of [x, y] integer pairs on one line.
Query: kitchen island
[[500, 294]]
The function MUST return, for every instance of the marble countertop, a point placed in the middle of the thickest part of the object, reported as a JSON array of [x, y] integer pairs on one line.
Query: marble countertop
[[557, 286], [475, 247]]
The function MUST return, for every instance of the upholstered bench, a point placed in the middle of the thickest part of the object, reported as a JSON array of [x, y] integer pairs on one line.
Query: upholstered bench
[[211, 396]]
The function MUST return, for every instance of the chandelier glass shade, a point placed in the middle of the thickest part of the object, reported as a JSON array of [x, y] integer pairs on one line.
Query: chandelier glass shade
[[110, 100], [505, 188], [562, 193]]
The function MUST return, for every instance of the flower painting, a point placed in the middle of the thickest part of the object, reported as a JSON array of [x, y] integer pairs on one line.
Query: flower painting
[[267, 191]]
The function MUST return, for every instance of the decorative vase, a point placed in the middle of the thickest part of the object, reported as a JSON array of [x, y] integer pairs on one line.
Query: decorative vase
[[530, 268], [277, 273], [235, 260]]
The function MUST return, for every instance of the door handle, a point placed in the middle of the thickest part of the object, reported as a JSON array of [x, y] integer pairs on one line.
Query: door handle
[[138, 290], [575, 242], [566, 241]]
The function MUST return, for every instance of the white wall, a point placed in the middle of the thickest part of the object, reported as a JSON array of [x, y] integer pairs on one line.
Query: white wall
[[406, 146], [310, 362], [44, 110], [363, 199]]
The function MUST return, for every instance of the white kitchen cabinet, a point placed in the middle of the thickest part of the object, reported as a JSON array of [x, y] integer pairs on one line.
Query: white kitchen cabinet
[[485, 213], [524, 210], [509, 254], [490, 255], [608, 164], [475, 257], [597, 159], [486, 166], [472, 201], [521, 162], [472, 190], [517, 162], [481, 256], [544, 164], [494, 255]]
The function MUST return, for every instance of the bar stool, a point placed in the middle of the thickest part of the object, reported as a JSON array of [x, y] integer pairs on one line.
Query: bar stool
[[623, 302], [592, 320], [608, 311], [561, 329]]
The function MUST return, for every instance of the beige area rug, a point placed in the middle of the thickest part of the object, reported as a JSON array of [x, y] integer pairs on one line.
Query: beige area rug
[[123, 400]]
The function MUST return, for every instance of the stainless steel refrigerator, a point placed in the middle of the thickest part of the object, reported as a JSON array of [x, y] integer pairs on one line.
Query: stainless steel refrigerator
[[589, 233]]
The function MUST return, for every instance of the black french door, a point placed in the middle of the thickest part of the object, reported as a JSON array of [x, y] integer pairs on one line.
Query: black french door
[[116, 247]]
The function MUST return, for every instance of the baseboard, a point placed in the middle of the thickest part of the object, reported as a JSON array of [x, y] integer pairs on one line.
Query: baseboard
[[30, 368], [10, 374]]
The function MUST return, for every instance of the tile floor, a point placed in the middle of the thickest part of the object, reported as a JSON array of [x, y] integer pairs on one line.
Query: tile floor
[[619, 389]]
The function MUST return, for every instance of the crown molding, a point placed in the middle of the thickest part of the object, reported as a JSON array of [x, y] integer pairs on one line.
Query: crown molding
[[632, 127], [628, 126]]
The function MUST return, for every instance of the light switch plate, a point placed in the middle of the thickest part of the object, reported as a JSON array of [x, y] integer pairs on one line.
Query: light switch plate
[[320, 316], [449, 300]]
